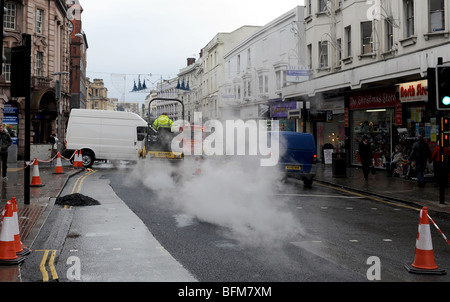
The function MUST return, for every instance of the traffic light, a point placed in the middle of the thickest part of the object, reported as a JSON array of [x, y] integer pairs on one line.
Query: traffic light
[[3, 10], [443, 87], [445, 131]]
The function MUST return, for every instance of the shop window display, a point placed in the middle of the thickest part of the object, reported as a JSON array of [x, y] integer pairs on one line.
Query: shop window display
[[377, 124]]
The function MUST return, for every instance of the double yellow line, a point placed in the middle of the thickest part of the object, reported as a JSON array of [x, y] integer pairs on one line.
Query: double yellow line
[[79, 182], [51, 261], [369, 197]]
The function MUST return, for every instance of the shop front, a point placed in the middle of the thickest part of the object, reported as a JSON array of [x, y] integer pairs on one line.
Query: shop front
[[376, 113], [419, 118]]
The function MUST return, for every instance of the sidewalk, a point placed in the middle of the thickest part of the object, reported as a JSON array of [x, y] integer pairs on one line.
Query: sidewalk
[[394, 188], [33, 215]]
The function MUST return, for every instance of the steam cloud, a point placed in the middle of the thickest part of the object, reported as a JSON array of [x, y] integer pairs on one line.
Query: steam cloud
[[230, 193]]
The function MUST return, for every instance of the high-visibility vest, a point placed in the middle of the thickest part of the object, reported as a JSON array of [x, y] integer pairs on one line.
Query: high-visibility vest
[[162, 121]]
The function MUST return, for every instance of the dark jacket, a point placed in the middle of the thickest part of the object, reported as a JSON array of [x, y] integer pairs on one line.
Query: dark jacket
[[420, 153], [365, 153], [5, 141]]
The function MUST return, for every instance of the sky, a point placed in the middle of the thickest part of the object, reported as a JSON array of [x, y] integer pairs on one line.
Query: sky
[[151, 39]]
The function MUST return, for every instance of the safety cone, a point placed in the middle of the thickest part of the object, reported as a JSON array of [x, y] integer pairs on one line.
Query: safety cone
[[78, 161], [424, 262], [7, 246], [59, 169], [21, 250], [36, 179], [198, 170]]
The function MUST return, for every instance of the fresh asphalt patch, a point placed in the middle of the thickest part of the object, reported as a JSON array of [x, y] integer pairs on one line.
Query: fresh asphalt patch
[[76, 199]]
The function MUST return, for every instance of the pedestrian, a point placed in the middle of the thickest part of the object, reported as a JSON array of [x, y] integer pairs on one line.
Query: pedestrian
[[420, 153], [54, 141], [393, 164], [440, 168], [5, 142], [366, 156]]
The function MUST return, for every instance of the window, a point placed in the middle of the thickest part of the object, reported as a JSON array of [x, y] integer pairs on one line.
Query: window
[[309, 7], [7, 64], [39, 21], [9, 20], [366, 37], [263, 83], [309, 56], [437, 15], [247, 87], [280, 78], [339, 50], [322, 5], [238, 66], [409, 5], [348, 37], [39, 58], [389, 35], [323, 54]]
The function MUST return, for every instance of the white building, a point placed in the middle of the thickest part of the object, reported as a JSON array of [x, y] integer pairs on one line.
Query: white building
[[361, 54], [256, 69], [212, 71]]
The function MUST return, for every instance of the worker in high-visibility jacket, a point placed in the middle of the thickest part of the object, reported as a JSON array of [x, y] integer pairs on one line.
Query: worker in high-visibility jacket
[[163, 124], [163, 121]]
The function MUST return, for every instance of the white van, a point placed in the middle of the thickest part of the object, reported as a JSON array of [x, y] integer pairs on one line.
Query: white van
[[104, 135]]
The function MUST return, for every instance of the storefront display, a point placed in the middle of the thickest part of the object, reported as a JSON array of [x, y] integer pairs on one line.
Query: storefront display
[[373, 113]]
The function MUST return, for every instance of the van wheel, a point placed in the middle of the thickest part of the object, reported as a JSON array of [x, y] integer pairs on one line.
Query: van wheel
[[88, 159]]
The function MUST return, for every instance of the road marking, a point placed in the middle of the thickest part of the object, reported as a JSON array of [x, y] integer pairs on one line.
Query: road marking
[[80, 180], [369, 197], [319, 195], [45, 276]]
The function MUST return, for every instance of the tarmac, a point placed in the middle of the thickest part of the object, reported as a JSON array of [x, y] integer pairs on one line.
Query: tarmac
[[33, 214]]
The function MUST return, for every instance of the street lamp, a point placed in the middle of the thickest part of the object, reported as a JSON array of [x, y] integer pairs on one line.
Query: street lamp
[[58, 100]]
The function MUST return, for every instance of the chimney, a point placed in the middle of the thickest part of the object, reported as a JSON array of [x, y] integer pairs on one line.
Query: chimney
[[190, 61]]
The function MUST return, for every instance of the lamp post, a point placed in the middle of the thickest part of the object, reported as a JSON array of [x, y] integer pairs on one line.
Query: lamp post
[[58, 100]]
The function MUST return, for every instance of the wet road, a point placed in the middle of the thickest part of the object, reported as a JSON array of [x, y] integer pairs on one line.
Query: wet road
[[226, 225]]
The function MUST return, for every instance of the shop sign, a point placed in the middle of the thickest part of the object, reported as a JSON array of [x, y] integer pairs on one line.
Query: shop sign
[[282, 109], [321, 116], [413, 91], [378, 98], [297, 74]]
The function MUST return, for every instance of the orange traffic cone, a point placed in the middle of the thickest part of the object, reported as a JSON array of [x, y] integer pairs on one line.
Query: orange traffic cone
[[78, 160], [21, 250], [424, 262], [59, 169], [36, 179], [198, 170], [7, 246]]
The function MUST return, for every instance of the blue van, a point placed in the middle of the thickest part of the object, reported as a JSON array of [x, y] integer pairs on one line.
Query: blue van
[[298, 156]]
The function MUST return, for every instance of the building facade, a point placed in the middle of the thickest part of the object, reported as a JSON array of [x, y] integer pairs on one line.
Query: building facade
[[78, 59], [258, 68], [368, 63], [97, 95], [47, 24]]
